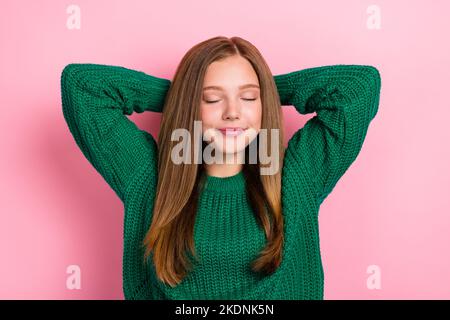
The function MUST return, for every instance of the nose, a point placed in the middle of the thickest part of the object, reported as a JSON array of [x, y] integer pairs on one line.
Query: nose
[[232, 111]]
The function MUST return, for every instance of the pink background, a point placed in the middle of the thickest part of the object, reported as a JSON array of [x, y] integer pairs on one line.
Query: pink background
[[391, 209]]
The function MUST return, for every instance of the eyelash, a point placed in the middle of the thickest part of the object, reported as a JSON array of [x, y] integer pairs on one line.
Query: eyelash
[[219, 100]]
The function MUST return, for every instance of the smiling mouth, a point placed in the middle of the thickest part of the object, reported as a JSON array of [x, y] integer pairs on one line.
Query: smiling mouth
[[232, 131]]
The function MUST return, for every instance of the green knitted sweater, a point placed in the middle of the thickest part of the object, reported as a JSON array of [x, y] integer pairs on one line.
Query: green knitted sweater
[[96, 100]]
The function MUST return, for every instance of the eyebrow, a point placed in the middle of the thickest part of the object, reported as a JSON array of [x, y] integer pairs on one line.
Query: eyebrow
[[245, 86]]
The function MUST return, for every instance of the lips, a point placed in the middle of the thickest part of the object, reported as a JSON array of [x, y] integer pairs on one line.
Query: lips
[[232, 131]]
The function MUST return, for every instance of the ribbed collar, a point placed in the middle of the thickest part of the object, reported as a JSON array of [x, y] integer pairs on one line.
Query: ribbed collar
[[235, 183]]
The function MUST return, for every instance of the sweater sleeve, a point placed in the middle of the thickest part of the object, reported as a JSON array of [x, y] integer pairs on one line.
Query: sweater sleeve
[[345, 99], [95, 101]]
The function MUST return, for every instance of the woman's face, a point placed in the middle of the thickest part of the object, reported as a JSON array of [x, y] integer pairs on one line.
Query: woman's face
[[230, 99]]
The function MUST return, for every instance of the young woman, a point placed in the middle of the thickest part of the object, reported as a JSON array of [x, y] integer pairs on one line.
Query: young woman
[[221, 230]]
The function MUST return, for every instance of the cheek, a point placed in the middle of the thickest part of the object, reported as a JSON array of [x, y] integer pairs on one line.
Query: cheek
[[254, 116], [205, 114], [259, 115], [209, 116]]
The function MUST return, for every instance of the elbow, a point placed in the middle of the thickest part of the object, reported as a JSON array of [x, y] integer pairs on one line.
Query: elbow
[[372, 83], [375, 78], [68, 74], [70, 89], [372, 78], [376, 90], [74, 74]]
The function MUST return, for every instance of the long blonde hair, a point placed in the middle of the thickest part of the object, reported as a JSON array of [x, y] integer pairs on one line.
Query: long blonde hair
[[172, 228]]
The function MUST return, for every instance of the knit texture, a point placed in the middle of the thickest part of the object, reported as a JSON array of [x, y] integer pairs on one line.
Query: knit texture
[[96, 100]]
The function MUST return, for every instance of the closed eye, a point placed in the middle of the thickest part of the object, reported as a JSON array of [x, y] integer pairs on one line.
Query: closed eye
[[219, 100]]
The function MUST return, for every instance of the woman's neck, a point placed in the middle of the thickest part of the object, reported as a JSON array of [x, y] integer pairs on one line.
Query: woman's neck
[[230, 166]]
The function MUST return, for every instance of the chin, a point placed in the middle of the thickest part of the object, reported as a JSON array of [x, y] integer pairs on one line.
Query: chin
[[235, 150]]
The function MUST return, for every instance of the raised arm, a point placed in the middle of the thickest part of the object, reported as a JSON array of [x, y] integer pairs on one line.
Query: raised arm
[[345, 98], [95, 101]]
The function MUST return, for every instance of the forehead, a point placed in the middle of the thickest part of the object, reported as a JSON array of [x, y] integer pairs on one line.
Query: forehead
[[232, 72], [241, 87]]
